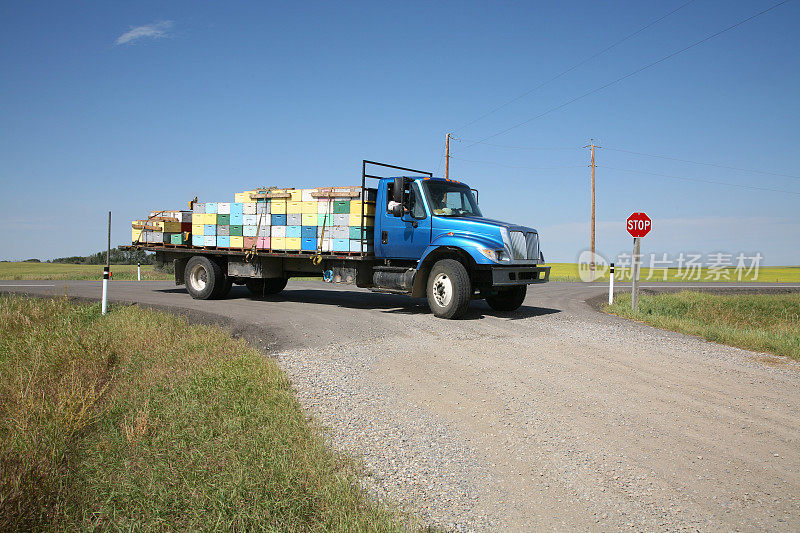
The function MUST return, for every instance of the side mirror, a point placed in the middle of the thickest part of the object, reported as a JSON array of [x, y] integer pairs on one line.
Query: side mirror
[[541, 257], [397, 210], [397, 190]]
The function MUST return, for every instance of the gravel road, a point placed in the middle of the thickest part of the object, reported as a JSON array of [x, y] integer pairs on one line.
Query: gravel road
[[555, 417]]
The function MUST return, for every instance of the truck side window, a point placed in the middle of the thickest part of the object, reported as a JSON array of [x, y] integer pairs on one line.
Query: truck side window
[[416, 207]]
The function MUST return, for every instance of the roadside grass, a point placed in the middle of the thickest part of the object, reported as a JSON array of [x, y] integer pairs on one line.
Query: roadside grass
[[63, 271], [777, 274], [138, 420], [760, 322]]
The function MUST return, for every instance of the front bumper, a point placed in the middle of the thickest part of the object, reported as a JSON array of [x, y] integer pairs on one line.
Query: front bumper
[[519, 275]]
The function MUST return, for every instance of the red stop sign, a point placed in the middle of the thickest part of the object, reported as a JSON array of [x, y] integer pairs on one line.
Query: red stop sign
[[639, 224]]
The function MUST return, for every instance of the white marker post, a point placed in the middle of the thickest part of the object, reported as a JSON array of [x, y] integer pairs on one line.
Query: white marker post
[[611, 285], [139, 270], [107, 269]]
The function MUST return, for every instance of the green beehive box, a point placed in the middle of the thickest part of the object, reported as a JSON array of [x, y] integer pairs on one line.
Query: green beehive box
[[341, 206], [355, 232], [236, 231], [177, 238], [224, 220]]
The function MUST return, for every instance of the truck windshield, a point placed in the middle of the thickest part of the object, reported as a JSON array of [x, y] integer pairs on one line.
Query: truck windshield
[[451, 199]]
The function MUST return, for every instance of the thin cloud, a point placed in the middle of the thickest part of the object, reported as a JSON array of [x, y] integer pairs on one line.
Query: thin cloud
[[154, 30]]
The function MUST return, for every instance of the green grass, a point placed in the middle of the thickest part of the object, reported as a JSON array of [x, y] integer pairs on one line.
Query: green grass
[[782, 274], [137, 420], [60, 271], [761, 322]]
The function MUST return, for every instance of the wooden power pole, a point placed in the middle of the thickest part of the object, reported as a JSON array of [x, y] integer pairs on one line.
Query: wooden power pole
[[592, 146], [447, 156]]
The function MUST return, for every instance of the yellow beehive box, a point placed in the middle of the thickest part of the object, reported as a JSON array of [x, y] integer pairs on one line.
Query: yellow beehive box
[[355, 219], [136, 235], [237, 241], [244, 196], [197, 229], [278, 206], [309, 207], [355, 207], [171, 227], [309, 219], [292, 243], [297, 195], [294, 208], [277, 243], [210, 219]]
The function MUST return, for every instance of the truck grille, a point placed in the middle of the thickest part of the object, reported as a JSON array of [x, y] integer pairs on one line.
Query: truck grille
[[524, 245]]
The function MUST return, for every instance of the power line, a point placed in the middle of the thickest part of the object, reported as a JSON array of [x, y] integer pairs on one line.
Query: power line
[[705, 164], [700, 180], [514, 166], [554, 78], [637, 71], [518, 147]]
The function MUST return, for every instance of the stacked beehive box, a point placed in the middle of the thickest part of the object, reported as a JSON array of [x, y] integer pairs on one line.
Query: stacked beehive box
[[163, 227], [307, 220]]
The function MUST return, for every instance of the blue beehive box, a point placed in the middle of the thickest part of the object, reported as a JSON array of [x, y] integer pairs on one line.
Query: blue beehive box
[[223, 241], [308, 244], [278, 220], [341, 245], [237, 219], [211, 207], [308, 232], [197, 240], [237, 208], [209, 229], [293, 232]]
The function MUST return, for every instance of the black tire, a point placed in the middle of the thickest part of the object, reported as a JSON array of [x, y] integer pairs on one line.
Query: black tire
[[509, 299], [225, 288], [263, 287], [449, 289], [204, 278]]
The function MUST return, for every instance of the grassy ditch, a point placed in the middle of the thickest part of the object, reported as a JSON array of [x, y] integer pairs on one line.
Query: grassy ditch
[[137, 420], [761, 322], [62, 271]]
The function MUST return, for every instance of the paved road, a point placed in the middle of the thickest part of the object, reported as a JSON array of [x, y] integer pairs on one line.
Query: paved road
[[554, 417]]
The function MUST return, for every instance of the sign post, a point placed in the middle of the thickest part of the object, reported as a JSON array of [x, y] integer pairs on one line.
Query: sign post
[[638, 226]]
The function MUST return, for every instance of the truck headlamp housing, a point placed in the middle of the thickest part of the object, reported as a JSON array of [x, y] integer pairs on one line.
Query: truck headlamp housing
[[493, 255]]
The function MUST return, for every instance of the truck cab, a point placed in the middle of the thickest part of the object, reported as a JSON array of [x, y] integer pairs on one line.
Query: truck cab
[[434, 241]]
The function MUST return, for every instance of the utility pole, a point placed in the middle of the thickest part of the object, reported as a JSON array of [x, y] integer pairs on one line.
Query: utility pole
[[592, 146], [447, 157]]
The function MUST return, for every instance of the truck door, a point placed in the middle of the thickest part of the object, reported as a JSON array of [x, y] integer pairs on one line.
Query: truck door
[[408, 236]]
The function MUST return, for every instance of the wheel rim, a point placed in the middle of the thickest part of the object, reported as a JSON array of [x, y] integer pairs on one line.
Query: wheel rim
[[442, 290], [198, 277]]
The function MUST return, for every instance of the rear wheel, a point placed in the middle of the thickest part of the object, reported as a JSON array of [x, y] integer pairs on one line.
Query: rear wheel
[[263, 287], [204, 278], [509, 299], [449, 289], [225, 288]]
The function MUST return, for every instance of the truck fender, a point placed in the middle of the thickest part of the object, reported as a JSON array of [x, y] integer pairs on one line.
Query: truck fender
[[433, 254]]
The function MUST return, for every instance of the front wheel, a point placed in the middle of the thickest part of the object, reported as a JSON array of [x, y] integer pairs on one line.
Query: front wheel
[[509, 299], [449, 289]]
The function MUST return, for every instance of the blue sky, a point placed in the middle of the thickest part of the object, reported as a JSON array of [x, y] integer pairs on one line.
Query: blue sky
[[137, 106]]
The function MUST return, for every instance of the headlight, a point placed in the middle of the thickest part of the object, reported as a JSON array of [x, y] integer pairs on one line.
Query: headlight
[[492, 255]]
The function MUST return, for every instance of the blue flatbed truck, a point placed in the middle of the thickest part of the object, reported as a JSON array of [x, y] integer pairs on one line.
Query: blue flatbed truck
[[430, 240]]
